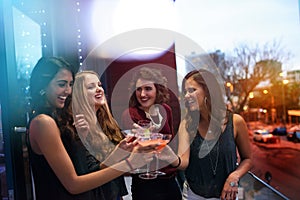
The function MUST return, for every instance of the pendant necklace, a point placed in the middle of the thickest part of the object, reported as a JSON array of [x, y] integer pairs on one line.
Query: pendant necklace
[[160, 118], [213, 167]]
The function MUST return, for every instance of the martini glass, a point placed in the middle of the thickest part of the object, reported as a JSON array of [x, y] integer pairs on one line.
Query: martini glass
[[145, 139], [166, 138], [145, 126]]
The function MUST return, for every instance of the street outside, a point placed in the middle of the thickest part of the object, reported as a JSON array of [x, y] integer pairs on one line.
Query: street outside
[[279, 160], [277, 164]]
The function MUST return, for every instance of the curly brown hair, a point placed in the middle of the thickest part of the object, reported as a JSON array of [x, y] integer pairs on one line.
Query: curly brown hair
[[160, 83]]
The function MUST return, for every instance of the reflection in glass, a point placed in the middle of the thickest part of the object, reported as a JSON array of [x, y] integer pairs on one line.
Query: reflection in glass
[[28, 48], [27, 36]]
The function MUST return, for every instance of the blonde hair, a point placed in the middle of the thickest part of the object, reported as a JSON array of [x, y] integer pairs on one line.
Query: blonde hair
[[104, 131]]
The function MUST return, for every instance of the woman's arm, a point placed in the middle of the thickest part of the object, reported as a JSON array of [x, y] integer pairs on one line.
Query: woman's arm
[[243, 144], [183, 145], [241, 137], [181, 159], [121, 151], [45, 139]]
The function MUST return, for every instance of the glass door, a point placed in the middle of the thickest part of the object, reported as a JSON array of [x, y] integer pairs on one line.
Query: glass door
[[20, 46]]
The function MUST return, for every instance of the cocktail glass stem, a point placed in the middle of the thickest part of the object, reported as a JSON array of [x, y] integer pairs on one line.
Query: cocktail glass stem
[[165, 140], [154, 138], [158, 172], [148, 175]]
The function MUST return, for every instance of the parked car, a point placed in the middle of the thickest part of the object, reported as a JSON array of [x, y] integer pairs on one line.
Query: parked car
[[280, 130], [294, 136], [265, 136], [294, 128]]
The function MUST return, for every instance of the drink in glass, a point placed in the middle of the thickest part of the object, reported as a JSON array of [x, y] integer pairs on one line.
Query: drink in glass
[[146, 139], [166, 138]]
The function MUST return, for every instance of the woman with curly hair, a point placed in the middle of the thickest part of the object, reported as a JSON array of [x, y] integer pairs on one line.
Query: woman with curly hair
[[148, 101]]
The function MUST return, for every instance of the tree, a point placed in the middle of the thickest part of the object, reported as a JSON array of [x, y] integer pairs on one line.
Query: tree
[[249, 66]]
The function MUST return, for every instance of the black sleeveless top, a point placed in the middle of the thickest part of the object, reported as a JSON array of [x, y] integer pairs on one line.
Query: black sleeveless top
[[48, 186], [222, 159]]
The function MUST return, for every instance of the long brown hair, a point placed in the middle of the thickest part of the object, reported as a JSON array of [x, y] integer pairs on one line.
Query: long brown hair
[[215, 101]]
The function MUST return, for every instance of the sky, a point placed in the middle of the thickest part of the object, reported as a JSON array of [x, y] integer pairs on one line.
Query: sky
[[212, 24], [219, 24]]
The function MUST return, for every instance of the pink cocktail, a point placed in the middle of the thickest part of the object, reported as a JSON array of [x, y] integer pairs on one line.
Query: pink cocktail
[[145, 143], [166, 138], [162, 144]]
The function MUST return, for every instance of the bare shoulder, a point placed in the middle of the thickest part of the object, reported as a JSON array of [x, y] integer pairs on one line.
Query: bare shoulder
[[42, 132], [42, 125], [240, 126], [238, 119], [42, 120]]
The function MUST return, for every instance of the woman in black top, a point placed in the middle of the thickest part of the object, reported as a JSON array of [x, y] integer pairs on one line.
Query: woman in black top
[[208, 138]]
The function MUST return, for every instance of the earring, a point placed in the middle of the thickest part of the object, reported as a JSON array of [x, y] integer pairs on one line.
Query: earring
[[42, 92], [205, 100]]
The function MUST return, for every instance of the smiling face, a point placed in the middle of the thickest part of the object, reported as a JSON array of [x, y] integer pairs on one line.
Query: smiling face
[[95, 92], [193, 95], [145, 93], [59, 88]]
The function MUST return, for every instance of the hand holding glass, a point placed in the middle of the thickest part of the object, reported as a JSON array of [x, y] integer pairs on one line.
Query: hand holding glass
[[166, 138], [133, 136]]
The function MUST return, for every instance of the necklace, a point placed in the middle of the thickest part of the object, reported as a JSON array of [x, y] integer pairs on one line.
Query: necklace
[[160, 118], [213, 167]]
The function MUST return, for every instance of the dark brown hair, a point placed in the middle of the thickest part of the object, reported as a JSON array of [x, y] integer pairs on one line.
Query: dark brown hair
[[42, 74]]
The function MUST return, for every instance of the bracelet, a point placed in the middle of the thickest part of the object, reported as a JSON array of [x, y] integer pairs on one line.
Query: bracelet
[[129, 164], [179, 162]]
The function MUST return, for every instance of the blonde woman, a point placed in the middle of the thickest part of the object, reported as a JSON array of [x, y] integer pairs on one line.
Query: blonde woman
[[96, 126]]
